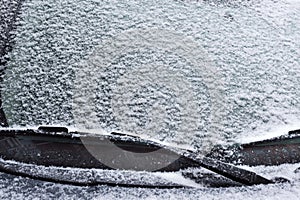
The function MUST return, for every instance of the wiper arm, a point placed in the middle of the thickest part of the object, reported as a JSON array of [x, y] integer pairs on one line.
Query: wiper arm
[[230, 171]]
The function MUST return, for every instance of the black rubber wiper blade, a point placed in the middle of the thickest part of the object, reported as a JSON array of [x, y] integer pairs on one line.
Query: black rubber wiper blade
[[50, 141], [268, 152]]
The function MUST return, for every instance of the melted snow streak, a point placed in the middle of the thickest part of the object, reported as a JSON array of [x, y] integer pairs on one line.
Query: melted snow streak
[[255, 45]]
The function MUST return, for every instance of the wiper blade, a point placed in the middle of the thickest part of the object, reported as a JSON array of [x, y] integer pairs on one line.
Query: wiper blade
[[269, 152], [55, 146]]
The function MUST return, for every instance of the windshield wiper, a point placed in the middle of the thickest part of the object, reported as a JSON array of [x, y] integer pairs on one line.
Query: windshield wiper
[[55, 146]]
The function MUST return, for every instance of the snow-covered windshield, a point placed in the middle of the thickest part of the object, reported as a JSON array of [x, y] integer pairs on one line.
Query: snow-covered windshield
[[193, 73]]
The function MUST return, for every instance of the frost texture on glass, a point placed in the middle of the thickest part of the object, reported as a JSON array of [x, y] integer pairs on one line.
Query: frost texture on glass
[[151, 82], [255, 45]]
